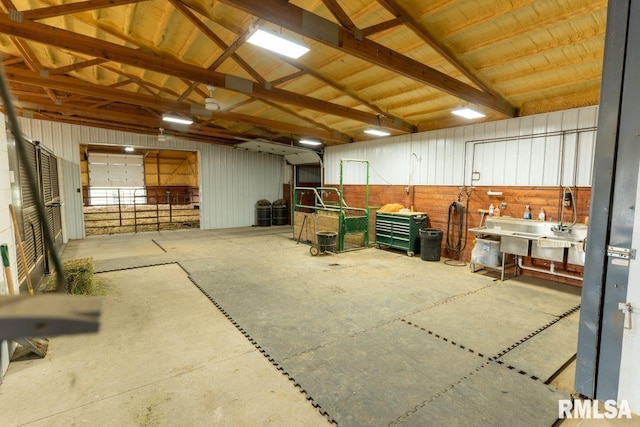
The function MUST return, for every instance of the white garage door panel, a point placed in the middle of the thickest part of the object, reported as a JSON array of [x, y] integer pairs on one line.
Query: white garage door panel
[[113, 170]]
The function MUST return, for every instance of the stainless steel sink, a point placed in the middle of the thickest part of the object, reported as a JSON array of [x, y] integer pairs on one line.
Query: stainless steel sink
[[538, 239], [528, 235]]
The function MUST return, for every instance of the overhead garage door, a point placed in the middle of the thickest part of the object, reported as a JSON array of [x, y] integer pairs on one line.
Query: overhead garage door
[[115, 178]]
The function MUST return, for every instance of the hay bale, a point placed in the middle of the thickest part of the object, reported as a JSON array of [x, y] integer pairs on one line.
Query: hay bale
[[78, 275], [391, 207]]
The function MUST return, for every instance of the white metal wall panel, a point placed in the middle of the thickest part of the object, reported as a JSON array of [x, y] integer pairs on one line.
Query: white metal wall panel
[[504, 152], [388, 159], [6, 233], [234, 182], [224, 202]]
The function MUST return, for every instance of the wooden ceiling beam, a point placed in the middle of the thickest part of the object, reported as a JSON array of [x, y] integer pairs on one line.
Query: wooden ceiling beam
[[383, 26], [229, 50], [287, 78], [76, 86], [124, 118], [77, 66], [32, 62], [394, 8], [11, 61], [27, 53], [84, 121], [339, 13], [98, 48], [324, 31], [66, 9], [351, 93]]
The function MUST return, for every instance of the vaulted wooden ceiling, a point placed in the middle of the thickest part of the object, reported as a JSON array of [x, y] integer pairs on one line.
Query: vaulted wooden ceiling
[[402, 65]]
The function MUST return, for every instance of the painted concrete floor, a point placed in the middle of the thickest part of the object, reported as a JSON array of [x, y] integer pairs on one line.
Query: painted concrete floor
[[243, 327]]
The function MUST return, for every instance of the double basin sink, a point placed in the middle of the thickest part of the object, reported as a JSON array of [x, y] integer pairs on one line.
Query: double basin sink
[[537, 239]]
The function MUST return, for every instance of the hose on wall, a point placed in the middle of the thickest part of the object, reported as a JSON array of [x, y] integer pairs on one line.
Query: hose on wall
[[455, 232]]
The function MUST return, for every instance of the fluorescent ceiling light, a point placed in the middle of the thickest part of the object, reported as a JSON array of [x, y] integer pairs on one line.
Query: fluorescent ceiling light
[[468, 113], [377, 132], [310, 142], [278, 44], [176, 119], [129, 149]]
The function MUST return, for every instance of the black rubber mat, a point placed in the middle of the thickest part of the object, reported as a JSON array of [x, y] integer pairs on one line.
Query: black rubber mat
[[376, 338], [372, 377], [558, 343], [490, 396]]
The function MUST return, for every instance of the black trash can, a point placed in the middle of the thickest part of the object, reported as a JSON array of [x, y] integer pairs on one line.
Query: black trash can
[[327, 241], [430, 244], [279, 212], [263, 213]]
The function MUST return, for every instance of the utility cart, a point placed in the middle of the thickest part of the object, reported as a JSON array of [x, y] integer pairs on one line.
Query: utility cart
[[400, 230]]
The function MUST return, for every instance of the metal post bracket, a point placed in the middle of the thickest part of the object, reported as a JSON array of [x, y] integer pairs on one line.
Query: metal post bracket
[[618, 252]]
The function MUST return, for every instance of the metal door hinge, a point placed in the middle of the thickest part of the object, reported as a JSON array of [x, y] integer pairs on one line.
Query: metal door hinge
[[624, 253], [626, 309]]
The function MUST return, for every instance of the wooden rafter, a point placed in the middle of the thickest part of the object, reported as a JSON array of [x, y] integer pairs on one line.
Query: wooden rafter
[[339, 14], [27, 53], [101, 92], [12, 61], [292, 17], [287, 78], [383, 26], [138, 58], [77, 66], [229, 50], [394, 8], [351, 93], [66, 9]]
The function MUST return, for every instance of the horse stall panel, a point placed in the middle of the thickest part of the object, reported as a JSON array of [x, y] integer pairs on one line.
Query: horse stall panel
[[29, 225]]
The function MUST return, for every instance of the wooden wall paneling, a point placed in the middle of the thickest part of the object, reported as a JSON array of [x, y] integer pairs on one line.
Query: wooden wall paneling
[[436, 200]]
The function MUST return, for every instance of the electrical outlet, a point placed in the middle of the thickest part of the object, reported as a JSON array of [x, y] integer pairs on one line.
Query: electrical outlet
[[406, 190], [503, 205]]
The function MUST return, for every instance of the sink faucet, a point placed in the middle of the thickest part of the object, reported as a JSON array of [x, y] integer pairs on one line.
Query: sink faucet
[[562, 227]]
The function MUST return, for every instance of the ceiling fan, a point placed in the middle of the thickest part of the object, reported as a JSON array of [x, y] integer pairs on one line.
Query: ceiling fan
[[211, 103]]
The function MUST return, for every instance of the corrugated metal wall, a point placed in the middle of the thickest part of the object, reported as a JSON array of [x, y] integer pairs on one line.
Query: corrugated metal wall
[[533, 150], [6, 233], [231, 181]]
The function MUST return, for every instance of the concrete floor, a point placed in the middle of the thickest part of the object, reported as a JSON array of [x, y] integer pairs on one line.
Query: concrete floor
[[370, 337]]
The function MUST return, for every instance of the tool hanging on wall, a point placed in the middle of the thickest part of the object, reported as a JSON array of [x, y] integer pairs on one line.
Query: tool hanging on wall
[[4, 249], [23, 258]]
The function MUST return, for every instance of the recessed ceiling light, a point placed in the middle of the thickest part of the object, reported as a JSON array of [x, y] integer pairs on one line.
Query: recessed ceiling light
[[277, 43], [467, 113], [377, 132], [129, 149], [177, 119], [310, 142]]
